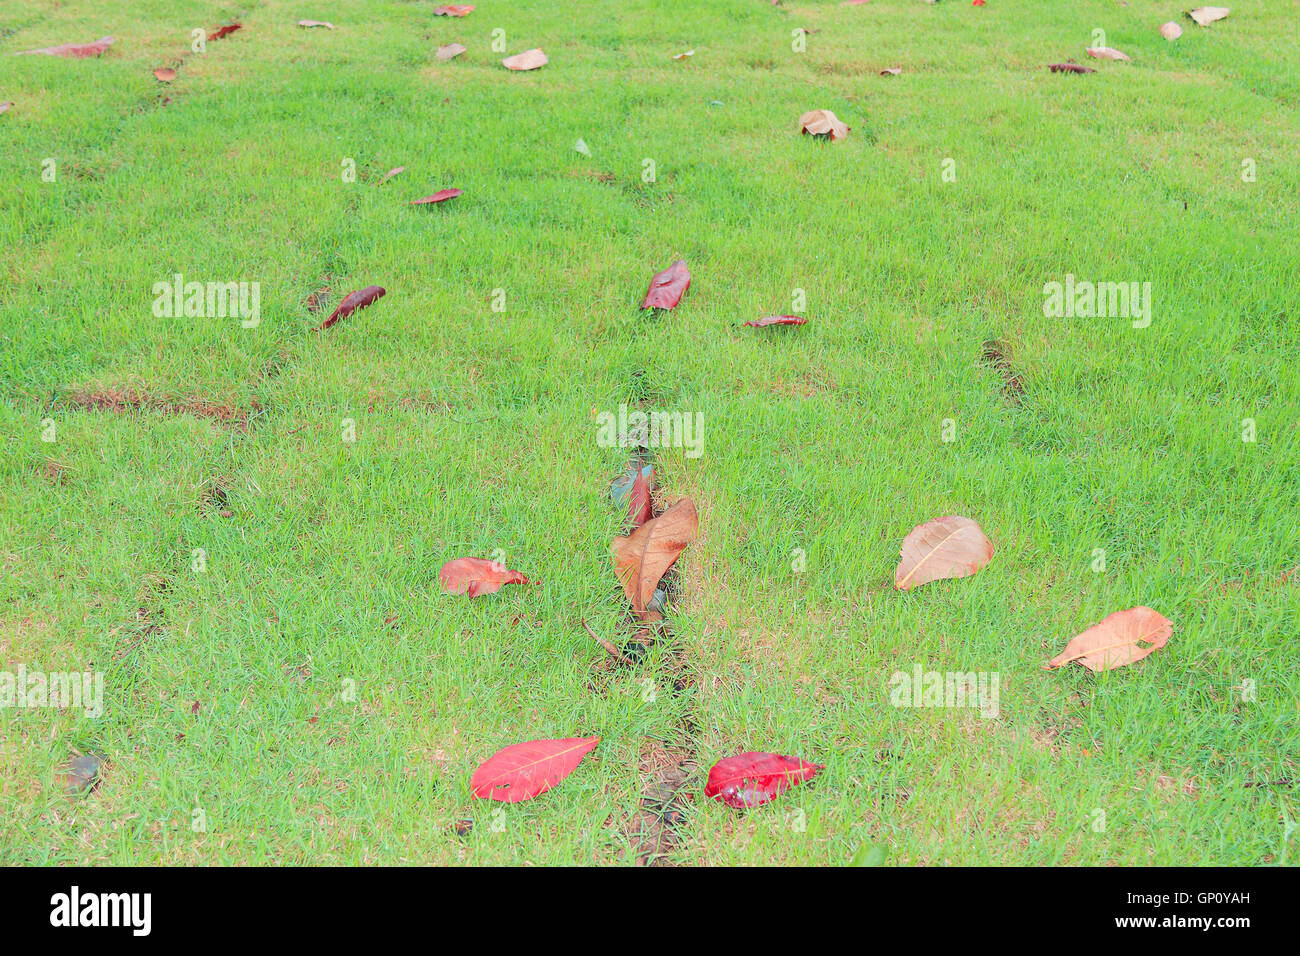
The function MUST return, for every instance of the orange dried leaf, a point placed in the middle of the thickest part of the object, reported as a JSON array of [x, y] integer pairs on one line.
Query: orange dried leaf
[[1124, 637]]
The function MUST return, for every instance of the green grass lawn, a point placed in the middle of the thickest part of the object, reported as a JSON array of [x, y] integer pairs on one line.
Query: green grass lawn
[[343, 700]]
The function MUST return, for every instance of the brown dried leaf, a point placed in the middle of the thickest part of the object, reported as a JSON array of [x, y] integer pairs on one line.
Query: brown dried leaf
[[1106, 53], [1170, 30], [1124, 637], [1204, 16], [164, 74], [823, 123], [528, 60], [951, 547], [450, 51], [644, 556], [1069, 68]]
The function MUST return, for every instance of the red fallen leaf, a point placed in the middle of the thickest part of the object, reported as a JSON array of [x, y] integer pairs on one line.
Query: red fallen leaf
[[640, 507], [442, 195], [76, 51], [351, 302], [475, 576], [777, 320], [752, 779], [1069, 68], [977, 3], [194, 707], [454, 10], [391, 173], [523, 771], [225, 31], [528, 60], [165, 74], [667, 287]]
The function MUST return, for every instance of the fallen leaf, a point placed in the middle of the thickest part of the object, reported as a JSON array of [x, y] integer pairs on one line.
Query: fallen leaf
[[668, 287], [1106, 53], [523, 771], [752, 779], [4, 107], [950, 547], [165, 74], [642, 558], [1170, 30], [225, 31], [351, 302], [450, 51], [823, 123], [891, 71], [1069, 68], [454, 10], [442, 195], [640, 505], [76, 51], [1124, 637], [475, 576], [528, 60], [315, 23], [776, 320], [853, 3], [1204, 16], [682, 56], [395, 171], [581, 147], [80, 774], [977, 3]]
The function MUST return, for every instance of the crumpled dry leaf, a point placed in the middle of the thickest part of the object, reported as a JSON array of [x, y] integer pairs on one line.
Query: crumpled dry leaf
[[950, 547], [1106, 53], [76, 51], [450, 51], [475, 576], [891, 71], [752, 779], [225, 31], [683, 55], [1204, 16], [1170, 30], [1069, 68], [528, 60], [642, 558], [1124, 637], [823, 123]]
